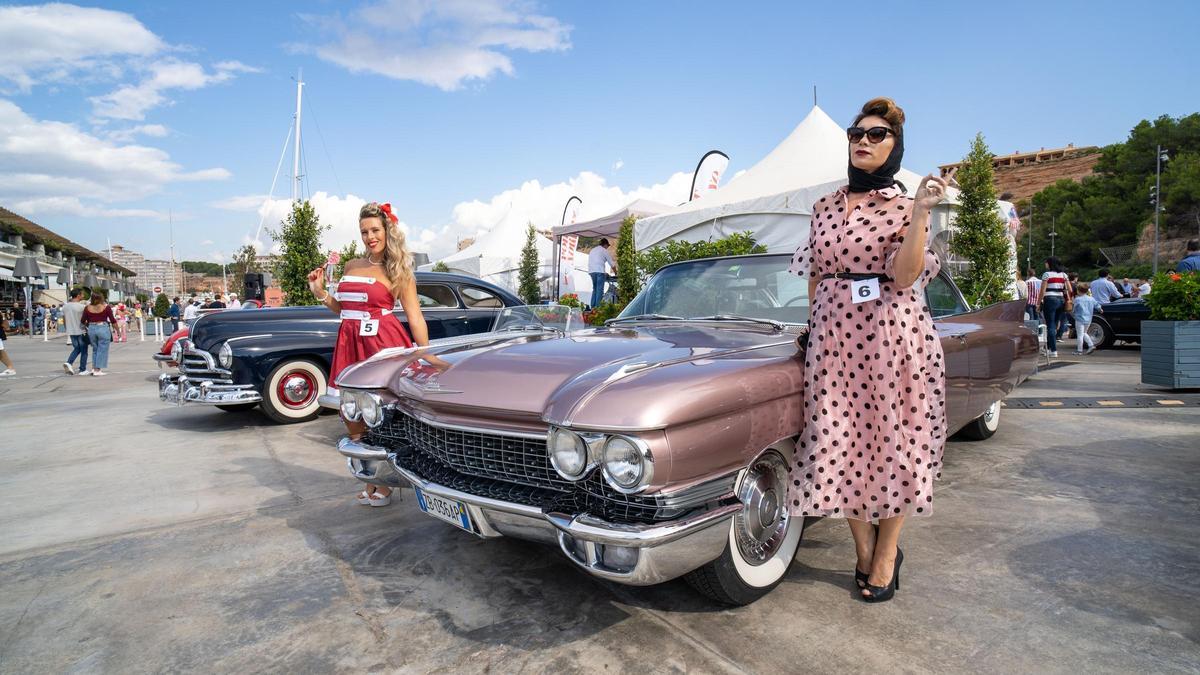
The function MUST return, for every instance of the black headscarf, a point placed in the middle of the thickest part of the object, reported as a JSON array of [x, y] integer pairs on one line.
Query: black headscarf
[[884, 176]]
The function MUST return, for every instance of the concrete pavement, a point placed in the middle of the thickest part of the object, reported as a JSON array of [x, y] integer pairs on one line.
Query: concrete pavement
[[137, 537]]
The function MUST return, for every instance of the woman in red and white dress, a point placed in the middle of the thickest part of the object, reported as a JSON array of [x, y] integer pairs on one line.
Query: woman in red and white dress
[[365, 297]]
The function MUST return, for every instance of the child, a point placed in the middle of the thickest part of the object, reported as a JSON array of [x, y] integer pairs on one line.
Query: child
[[1085, 306]]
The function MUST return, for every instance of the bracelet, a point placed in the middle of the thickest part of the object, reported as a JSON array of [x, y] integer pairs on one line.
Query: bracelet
[[322, 300]]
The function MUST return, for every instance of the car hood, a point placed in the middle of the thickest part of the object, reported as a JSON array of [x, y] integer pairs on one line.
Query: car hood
[[640, 377], [211, 329]]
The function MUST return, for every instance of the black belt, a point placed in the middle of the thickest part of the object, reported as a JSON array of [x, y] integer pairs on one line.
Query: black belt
[[854, 276]]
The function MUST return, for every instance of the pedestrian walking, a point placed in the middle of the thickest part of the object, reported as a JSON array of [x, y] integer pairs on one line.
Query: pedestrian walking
[[173, 314], [99, 322], [1191, 261], [73, 314], [867, 263], [122, 315], [1033, 287], [1053, 300], [1103, 290], [9, 370], [365, 298], [1084, 309]]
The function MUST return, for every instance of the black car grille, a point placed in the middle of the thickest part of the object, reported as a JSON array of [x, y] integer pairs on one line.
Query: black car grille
[[194, 363], [507, 468]]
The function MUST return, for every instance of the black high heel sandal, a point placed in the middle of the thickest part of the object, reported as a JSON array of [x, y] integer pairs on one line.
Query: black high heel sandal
[[861, 578], [885, 593]]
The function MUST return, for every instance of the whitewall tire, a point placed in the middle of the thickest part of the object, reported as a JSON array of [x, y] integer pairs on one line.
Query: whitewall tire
[[291, 392]]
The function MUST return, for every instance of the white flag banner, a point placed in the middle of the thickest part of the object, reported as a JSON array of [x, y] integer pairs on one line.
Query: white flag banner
[[708, 173], [566, 264]]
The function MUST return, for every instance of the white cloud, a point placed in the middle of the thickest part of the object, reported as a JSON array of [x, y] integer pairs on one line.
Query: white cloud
[[127, 135], [618, 165], [131, 101], [241, 203], [55, 42], [51, 165], [72, 206], [207, 242], [443, 44]]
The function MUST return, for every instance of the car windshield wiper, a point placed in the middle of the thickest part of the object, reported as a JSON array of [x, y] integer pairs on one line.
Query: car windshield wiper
[[777, 325], [638, 317]]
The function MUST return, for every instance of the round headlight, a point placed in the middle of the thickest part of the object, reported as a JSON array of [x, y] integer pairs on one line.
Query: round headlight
[[225, 355], [372, 409], [626, 465], [177, 351], [568, 454], [350, 409]]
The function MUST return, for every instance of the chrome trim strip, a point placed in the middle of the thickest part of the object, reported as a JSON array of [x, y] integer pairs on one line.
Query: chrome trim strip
[[593, 529], [451, 493], [249, 337], [475, 430]]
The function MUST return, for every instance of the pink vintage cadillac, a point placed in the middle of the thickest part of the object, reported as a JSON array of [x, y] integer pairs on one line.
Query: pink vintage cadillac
[[654, 447]]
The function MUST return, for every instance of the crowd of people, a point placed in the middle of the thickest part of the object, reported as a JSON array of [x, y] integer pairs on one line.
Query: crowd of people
[[1058, 299]]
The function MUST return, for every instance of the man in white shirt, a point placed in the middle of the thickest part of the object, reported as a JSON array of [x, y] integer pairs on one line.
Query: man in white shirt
[[1103, 289], [597, 259], [234, 303], [189, 312], [72, 313]]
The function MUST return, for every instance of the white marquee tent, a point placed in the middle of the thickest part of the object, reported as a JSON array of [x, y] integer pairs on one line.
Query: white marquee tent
[[774, 198], [496, 257]]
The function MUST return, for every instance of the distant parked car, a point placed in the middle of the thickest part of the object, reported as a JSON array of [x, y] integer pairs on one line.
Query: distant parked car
[[654, 447], [278, 357], [1121, 320]]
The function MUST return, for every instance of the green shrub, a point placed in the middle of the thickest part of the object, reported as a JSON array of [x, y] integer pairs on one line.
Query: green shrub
[[654, 258], [1175, 297], [162, 306]]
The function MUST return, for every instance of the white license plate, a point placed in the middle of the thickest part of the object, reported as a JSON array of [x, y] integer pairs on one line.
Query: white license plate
[[449, 510]]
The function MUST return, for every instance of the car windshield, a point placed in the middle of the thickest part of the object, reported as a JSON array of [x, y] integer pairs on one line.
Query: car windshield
[[537, 317], [758, 287]]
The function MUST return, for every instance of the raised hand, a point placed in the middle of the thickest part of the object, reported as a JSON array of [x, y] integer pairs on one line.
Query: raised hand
[[316, 282], [932, 190]]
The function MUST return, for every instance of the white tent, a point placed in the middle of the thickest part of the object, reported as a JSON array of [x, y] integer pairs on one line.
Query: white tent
[[774, 198], [610, 225], [496, 257]]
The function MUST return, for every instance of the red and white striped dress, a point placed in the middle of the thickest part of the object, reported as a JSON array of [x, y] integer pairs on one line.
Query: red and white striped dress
[[365, 298]]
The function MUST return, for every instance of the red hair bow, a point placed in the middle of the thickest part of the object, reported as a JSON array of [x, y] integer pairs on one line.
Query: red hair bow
[[387, 208]]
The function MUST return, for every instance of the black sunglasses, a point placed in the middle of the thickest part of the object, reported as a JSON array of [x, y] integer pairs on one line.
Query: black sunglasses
[[874, 134]]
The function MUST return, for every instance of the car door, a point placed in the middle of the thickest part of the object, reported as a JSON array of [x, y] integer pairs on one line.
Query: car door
[[482, 307], [954, 327], [440, 308]]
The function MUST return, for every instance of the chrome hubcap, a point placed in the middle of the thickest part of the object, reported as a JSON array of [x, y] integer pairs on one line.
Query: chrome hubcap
[[296, 389], [761, 525]]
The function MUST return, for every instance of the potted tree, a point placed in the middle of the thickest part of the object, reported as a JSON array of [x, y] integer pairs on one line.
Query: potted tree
[[1171, 337]]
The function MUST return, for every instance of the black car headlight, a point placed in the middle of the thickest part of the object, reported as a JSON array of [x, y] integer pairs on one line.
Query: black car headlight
[[225, 355], [627, 464]]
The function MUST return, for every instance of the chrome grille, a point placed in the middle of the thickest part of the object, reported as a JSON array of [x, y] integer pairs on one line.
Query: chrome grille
[[198, 363], [507, 458], [461, 458]]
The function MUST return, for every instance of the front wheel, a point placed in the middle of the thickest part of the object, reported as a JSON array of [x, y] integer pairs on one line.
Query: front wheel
[[1101, 335], [763, 538], [983, 427], [291, 390]]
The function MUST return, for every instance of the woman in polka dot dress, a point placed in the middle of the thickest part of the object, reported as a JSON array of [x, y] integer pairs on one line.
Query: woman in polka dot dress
[[874, 399]]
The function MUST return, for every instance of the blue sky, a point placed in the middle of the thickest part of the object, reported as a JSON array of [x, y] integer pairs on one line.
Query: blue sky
[[462, 113]]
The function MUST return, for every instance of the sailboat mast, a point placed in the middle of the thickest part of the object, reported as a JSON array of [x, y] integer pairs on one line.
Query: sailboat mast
[[296, 150]]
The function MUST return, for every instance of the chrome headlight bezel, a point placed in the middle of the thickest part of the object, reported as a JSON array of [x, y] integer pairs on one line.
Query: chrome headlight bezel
[[639, 449], [371, 406], [177, 351], [583, 456], [225, 355], [348, 405]]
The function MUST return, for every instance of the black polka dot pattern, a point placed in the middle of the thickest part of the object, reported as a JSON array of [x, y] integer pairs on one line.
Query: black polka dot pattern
[[874, 400]]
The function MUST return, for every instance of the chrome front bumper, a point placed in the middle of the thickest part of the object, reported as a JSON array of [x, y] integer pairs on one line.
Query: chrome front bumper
[[179, 390], [647, 553]]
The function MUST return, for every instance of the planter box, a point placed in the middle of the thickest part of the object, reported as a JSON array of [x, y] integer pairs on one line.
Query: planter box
[[1171, 353]]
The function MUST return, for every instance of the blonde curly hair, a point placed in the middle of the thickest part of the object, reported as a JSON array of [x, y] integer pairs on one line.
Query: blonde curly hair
[[397, 260]]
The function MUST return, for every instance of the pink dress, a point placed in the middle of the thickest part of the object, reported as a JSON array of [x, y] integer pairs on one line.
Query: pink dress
[[874, 373], [365, 299]]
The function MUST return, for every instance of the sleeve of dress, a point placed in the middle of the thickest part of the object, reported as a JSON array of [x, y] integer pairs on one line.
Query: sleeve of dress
[[933, 264], [802, 260]]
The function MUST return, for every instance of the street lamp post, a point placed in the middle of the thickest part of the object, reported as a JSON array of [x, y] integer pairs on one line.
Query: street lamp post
[[1053, 233], [1159, 157]]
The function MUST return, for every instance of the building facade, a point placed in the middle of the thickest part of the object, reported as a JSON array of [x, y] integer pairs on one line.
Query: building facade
[[1021, 175], [150, 273]]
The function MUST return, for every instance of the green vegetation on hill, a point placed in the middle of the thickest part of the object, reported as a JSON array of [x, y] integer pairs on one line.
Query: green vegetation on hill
[[1112, 207]]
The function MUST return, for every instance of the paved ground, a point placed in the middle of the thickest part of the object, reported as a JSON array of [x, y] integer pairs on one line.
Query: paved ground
[[136, 537]]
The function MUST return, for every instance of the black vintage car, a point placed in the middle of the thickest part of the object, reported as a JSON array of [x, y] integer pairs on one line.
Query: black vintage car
[[278, 357], [1120, 320]]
